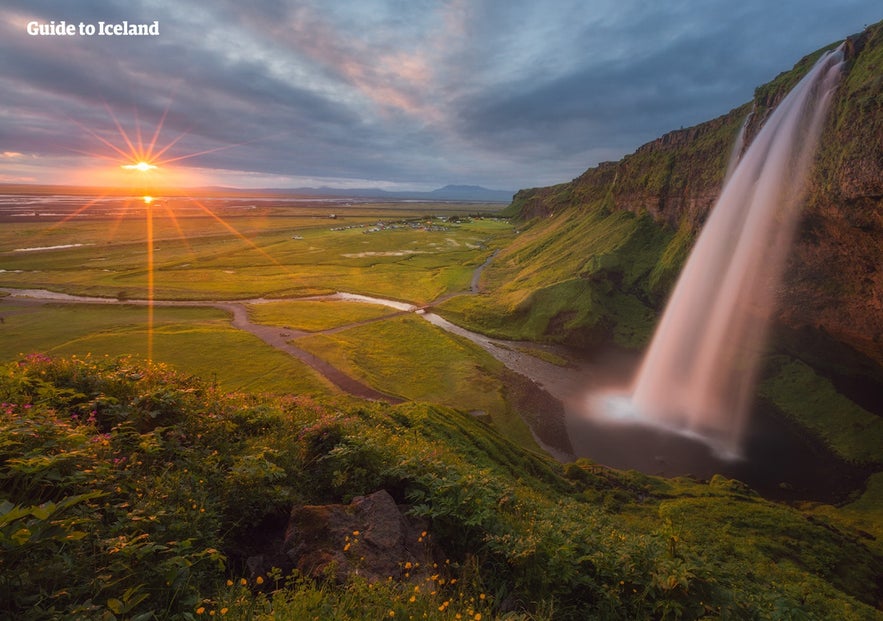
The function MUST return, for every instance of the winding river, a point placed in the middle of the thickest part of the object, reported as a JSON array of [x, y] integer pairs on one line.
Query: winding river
[[778, 461]]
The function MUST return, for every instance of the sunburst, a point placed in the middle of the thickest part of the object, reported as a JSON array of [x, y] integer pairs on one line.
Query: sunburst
[[147, 159]]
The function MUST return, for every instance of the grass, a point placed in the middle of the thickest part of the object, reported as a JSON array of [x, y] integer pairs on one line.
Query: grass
[[567, 278], [133, 491], [315, 315], [197, 340], [855, 434], [864, 514], [408, 357], [418, 259]]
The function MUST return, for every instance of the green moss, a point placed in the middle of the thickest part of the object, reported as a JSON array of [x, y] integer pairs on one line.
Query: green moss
[[864, 514], [812, 402]]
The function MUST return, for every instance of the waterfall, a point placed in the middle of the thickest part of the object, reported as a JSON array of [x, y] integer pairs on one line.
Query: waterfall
[[699, 373]]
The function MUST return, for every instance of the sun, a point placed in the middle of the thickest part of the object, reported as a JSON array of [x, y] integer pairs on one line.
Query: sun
[[140, 166]]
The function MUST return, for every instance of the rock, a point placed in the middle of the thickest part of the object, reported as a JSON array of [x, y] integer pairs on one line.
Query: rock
[[371, 537]]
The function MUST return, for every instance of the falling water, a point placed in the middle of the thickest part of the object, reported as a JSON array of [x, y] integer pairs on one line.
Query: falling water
[[699, 373]]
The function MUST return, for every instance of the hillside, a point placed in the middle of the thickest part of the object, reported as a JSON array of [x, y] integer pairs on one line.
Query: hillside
[[130, 491], [596, 257]]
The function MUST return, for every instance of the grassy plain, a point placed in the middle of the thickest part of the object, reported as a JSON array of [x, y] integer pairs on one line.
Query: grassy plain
[[278, 255], [408, 357], [197, 340], [315, 315], [398, 251]]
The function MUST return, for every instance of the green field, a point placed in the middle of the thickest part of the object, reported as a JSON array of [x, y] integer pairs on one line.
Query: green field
[[394, 251], [412, 359], [197, 340], [416, 259], [315, 315]]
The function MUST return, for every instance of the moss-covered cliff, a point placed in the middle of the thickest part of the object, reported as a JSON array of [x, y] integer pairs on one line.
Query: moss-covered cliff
[[596, 257]]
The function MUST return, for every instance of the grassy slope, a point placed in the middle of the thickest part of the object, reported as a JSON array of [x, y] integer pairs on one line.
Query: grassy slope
[[184, 475], [585, 269]]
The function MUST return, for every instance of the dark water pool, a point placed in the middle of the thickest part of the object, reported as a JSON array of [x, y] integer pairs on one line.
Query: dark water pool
[[777, 459]]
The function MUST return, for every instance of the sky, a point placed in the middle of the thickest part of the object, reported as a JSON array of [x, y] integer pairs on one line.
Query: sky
[[393, 94]]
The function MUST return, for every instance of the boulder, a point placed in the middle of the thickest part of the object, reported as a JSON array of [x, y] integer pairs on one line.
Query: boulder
[[371, 537]]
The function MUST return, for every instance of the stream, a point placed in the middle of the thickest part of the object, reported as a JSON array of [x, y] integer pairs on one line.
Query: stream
[[778, 461]]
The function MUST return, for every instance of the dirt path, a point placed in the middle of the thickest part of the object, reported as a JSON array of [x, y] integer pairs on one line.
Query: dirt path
[[275, 337]]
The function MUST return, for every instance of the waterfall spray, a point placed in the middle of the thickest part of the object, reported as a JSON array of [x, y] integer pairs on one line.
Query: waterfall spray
[[699, 373]]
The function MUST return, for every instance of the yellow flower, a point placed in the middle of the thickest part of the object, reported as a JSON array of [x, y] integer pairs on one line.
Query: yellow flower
[[229, 583], [200, 610], [259, 580], [243, 581], [408, 565], [477, 616], [224, 611], [392, 613], [355, 533]]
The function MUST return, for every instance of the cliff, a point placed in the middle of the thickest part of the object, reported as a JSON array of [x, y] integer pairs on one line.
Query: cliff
[[597, 256]]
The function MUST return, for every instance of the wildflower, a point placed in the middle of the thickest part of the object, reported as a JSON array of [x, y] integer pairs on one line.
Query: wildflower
[[243, 581], [392, 613], [259, 580], [200, 610], [477, 616], [408, 565], [224, 611], [229, 583], [355, 533]]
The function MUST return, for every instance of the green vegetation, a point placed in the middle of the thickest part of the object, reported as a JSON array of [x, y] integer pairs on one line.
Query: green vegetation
[[864, 514], [129, 491], [417, 259], [136, 490], [855, 434], [570, 279], [408, 357], [197, 340], [315, 315]]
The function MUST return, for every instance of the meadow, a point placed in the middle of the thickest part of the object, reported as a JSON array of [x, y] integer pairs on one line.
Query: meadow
[[415, 253]]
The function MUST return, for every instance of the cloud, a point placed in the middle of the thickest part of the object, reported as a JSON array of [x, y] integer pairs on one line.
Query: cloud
[[505, 94]]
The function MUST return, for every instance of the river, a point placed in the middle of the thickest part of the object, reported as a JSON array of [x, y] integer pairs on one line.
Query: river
[[777, 460]]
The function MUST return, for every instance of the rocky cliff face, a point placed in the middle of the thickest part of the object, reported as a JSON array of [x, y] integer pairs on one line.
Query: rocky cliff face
[[834, 286]]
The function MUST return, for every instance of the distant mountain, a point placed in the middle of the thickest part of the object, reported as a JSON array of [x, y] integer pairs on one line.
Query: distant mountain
[[464, 193]]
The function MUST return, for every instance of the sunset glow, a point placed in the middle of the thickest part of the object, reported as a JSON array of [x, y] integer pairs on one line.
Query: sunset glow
[[140, 166]]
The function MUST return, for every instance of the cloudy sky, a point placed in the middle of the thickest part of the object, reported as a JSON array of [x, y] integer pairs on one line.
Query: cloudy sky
[[399, 94]]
